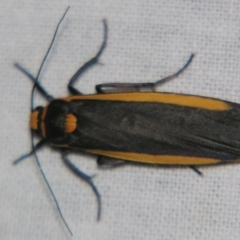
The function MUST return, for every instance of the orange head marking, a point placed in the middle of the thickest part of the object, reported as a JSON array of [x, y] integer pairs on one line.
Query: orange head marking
[[37, 120], [70, 123], [34, 120]]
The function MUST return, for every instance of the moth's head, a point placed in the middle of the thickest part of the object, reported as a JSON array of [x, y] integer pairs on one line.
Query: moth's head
[[36, 120]]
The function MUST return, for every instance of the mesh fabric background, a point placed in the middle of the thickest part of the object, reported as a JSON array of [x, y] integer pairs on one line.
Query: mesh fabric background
[[148, 40]]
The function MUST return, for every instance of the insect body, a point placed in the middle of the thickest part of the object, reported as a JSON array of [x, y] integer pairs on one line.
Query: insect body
[[157, 128], [131, 122]]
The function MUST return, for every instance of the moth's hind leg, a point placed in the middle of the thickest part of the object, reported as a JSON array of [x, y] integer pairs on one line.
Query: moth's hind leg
[[109, 162], [139, 87], [196, 170]]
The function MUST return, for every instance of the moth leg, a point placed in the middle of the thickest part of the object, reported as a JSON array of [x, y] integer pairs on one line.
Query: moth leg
[[139, 87], [89, 63], [175, 75], [84, 177], [124, 87], [106, 161], [33, 79], [38, 146], [196, 170]]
